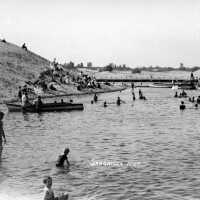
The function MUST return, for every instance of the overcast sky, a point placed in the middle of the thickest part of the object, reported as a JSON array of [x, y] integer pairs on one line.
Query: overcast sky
[[132, 32]]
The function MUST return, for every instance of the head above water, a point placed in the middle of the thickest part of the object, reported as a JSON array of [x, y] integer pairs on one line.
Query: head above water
[[182, 102], [66, 151]]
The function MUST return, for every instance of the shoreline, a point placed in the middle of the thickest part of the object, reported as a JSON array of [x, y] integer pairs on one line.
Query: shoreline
[[70, 94]]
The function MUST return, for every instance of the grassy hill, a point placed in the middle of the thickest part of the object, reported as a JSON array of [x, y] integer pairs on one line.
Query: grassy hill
[[16, 66]]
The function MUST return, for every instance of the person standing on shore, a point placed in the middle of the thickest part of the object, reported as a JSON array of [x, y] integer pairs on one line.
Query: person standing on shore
[[2, 134]]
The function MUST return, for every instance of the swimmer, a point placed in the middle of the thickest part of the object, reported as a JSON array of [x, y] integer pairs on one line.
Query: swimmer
[[118, 101], [105, 104], [133, 94], [63, 158], [182, 106], [95, 98]]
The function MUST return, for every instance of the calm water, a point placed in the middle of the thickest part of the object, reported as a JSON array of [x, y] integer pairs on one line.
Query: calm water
[[153, 149]]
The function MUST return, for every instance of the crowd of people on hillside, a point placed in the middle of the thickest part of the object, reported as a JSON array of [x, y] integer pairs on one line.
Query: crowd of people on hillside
[[85, 81], [56, 75]]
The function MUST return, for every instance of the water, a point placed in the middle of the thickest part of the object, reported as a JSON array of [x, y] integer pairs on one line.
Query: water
[[152, 147]]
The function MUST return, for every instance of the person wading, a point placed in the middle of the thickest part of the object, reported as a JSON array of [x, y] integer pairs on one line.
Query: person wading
[[2, 134]]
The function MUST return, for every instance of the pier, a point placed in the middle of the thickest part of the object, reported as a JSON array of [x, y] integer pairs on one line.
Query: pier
[[143, 80]]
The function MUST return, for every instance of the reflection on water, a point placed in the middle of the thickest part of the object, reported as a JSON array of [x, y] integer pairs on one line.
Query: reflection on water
[[151, 146]]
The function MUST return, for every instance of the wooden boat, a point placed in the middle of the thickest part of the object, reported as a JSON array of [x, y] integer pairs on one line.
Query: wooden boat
[[46, 107]]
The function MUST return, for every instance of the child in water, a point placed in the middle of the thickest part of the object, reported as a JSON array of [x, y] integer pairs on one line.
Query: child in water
[[2, 134], [63, 158], [48, 191]]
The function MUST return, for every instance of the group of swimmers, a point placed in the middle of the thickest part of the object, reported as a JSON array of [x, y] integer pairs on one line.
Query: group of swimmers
[[183, 94], [119, 101], [192, 100], [105, 104]]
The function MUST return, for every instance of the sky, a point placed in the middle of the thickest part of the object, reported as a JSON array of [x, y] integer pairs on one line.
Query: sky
[[132, 32]]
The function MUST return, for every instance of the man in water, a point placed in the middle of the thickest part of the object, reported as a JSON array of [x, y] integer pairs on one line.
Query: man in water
[[95, 97], [2, 134], [182, 106], [63, 158]]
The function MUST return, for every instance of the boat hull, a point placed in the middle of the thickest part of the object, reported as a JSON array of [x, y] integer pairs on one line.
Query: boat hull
[[49, 107]]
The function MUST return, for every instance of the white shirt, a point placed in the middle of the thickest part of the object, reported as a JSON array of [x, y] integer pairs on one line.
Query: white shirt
[[48, 193], [24, 100]]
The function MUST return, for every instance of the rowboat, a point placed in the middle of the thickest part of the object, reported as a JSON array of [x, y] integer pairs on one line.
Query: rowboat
[[46, 107]]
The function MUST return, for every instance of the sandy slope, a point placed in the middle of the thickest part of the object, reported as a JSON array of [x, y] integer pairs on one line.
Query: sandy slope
[[17, 66]]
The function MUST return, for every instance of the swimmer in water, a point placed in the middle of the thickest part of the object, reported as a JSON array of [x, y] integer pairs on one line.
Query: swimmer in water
[[118, 101], [95, 98], [105, 104], [62, 158], [133, 94], [182, 106]]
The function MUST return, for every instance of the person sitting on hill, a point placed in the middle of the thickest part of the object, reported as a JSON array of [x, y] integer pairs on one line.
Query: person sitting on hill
[[63, 158], [24, 47], [3, 40]]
